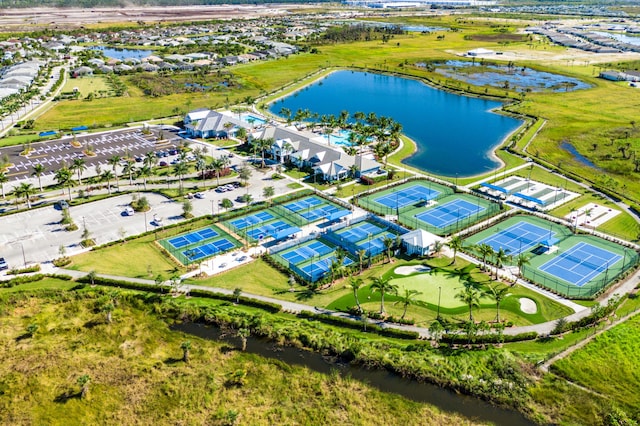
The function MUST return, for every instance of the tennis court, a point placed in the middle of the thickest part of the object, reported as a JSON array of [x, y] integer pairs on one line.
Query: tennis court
[[315, 208], [375, 245], [449, 213], [305, 252], [359, 232], [208, 250], [406, 196], [581, 263], [518, 238], [192, 237], [250, 220], [316, 270]]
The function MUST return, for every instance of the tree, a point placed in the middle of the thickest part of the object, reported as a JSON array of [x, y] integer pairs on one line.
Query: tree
[[388, 245], [32, 329], [108, 307], [180, 169], [244, 174], [38, 171], [3, 179], [64, 177], [485, 251], [384, 286], [361, 256], [226, 203], [356, 284], [187, 208], [83, 382], [268, 192], [25, 190], [186, 348], [144, 172], [114, 162], [236, 294], [407, 298], [470, 296], [498, 294], [78, 166], [501, 257], [455, 244], [522, 260], [129, 169], [92, 275], [436, 330], [107, 175]]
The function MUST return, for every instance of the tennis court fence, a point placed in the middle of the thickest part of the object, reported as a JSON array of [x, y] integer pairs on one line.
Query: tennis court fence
[[292, 243], [411, 221], [588, 290], [289, 215]]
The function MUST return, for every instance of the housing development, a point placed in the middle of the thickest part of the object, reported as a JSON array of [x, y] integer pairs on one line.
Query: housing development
[[366, 213]]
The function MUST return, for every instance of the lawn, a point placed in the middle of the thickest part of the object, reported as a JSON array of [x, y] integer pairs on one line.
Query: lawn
[[86, 85], [137, 374], [609, 364]]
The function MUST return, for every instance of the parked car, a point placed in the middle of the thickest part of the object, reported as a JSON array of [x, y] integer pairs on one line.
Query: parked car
[[129, 211], [163, 164], [3, 264], [223, 265], [242, 258], [199, 195], [62, 204]]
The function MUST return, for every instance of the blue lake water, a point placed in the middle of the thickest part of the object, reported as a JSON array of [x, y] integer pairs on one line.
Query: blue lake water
[[455, 134], [123, 54]]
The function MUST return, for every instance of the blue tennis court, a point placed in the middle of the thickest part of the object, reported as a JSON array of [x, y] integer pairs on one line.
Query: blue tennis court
[[303, 204], [320, 212], [300, 254], [449, 213], [518, 238], [267, 230], [376, 245], [192, 237], [580, 264], [319, 268], [250, 220], [360, 232], [407, 196], [208, 249]]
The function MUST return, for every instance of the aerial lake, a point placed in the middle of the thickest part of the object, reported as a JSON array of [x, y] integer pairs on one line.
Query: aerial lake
[[122, 54], [455, 135]]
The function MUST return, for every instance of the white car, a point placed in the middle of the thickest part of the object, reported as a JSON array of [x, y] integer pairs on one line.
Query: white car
[[199, 195], [129, 211]]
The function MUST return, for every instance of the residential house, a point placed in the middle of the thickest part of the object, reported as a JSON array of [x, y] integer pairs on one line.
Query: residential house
[[204, 123]]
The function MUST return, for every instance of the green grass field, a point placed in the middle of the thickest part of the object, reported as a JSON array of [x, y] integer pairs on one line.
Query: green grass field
[[86, 85]]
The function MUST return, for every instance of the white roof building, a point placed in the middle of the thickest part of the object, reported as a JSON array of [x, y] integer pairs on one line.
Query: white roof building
[[419, 242]]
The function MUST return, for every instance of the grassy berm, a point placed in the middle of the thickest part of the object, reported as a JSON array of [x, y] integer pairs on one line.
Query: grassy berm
[[136, 373]]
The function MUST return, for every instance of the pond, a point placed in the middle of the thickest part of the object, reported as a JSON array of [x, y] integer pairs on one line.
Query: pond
[[577, 156], [455, 135], [516, 78], [385, 381], [122, 54]]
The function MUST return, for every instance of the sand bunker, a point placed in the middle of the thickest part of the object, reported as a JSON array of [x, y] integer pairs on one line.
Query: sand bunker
[[528, 306], [408, 270]]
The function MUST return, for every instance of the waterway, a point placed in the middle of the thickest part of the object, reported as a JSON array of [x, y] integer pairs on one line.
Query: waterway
[[455, 135], [385, 381]]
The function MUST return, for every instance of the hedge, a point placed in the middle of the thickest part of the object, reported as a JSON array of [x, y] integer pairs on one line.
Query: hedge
[[357, 325], [488, 338]]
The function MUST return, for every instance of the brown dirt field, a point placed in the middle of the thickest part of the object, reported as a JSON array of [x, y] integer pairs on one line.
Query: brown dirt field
[[12, 20]]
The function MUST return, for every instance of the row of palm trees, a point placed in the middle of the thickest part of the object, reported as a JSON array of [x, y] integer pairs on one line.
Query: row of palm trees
[[500, 257], [383, 285], [65, 175]]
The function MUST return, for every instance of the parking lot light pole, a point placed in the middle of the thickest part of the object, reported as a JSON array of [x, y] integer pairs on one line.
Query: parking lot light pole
[[146, 229], [24, 258]]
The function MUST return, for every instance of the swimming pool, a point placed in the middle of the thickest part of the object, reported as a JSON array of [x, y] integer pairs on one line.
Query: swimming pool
[[253, 119]]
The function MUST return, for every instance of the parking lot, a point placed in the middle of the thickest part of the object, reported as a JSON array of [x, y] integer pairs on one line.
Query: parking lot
[[55, 154], [38, 234]]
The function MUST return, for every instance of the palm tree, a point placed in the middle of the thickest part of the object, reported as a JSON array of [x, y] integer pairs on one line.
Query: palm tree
[[522, 260], [388, 245], [455, 244], [84, 381], [25, 190], [78, 166], [268, 192], [262, 145], [114, 162], [361, 255], [436, 330], [144, 172], [485, 251], [384, 286], [3, 179], [180, 169], [216, 165], [356, 284], [237, 292], [107, 175], [334, 267], [244, 174], [129, 169], [38, 171], [470, 296], [407, 298], [64, 177], [150, 159], [243, 334], [501, 257], [498, 294]]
